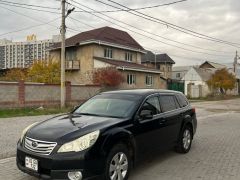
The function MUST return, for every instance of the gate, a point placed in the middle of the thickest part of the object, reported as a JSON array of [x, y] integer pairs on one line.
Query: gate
[[176, 85]]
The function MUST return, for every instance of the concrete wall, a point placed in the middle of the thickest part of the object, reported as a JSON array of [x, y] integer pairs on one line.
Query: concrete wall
[[20, 94]]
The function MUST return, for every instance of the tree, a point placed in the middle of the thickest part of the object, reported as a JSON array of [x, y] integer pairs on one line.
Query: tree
[[45, 72], [222, 80], [15, 74], [108, 77]]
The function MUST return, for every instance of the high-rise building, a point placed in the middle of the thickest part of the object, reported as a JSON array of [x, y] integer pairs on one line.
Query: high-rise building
[[22, 54]]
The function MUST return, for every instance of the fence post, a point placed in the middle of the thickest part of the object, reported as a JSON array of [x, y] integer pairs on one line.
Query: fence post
[[68, 92], [21, 93]]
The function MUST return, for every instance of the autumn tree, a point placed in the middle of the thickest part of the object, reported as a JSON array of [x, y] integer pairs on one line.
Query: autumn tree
[[44, 72], [222, 80], [108, 77], [15, 74]]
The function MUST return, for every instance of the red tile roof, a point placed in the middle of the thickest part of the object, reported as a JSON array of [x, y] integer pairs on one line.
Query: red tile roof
[[105, 34]]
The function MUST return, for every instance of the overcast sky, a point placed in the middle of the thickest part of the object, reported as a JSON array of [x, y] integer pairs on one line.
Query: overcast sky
[[216, 18]]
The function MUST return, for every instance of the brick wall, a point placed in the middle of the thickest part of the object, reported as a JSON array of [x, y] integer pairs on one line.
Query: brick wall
[[23, 94]]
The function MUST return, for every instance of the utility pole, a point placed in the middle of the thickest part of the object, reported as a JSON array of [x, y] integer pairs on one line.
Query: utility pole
[[63, 34], [155, 60], [235, 62]]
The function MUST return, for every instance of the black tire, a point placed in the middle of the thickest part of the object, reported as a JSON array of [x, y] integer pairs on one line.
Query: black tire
[[117, 151], [184, 145]]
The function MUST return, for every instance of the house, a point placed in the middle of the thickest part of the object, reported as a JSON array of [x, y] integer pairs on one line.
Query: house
[[209, 64], [178, 72], [195, 81], [104, 47], [161, 62]]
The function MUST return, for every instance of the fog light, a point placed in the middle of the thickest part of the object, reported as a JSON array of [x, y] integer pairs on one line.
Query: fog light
[[75, 175]]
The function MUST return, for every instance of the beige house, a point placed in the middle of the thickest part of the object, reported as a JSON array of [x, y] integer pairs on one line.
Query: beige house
[[161, 62], [104, 47]]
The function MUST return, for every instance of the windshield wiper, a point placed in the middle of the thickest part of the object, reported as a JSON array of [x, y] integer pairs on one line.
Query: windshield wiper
[[88, 114]]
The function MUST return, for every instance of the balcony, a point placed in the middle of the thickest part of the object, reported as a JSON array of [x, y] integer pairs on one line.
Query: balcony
[[72, 65]]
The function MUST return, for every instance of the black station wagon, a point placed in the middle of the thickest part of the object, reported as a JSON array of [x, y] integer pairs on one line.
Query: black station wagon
[[105, 136]]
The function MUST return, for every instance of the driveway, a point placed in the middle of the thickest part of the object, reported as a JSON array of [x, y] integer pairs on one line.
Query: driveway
[[215, 153]]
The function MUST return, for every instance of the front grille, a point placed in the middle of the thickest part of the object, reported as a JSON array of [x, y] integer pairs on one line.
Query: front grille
[[39, 147]]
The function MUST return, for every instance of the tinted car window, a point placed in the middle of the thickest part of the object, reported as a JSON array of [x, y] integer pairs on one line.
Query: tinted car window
[[182, 100], [109, 105], [152, 104], [167, 103]]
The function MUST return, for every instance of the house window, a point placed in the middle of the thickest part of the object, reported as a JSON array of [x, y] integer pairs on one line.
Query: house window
[[149, 80], [131, 79], [71, 54], [108, 53], [178, 75], [169, 69], [128, 56]]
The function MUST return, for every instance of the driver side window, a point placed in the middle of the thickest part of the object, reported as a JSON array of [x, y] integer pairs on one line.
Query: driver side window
[[152, 104]]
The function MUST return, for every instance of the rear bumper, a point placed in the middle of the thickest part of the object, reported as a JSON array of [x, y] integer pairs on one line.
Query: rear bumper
[[57, 166]]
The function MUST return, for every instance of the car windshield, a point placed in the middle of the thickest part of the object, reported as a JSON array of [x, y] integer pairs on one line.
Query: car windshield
[[109, 106]]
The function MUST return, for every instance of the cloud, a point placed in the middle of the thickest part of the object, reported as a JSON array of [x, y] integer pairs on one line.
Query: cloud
[[220, 19]]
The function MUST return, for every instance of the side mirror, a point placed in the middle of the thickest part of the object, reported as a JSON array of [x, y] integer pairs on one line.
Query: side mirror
[[146, 114]]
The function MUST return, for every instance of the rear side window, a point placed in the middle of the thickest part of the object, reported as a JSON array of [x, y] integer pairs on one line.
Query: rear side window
[[182, 100], [168, 103]]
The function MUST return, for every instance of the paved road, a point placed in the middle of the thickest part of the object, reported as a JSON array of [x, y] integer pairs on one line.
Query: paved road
[[215, 153]]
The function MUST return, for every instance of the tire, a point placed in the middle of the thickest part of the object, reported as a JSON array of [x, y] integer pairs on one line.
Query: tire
[[118, 163], [185, 140]]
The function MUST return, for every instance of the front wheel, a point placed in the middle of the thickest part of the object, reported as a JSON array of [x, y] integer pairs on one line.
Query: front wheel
[[185, 140], [118, 163]]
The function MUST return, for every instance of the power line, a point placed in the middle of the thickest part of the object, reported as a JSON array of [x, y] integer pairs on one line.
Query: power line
[[29, 8], [178, 42], [31, 5], [138, 32], [34, 19], [29, 27], [140, 8], [173, 26]]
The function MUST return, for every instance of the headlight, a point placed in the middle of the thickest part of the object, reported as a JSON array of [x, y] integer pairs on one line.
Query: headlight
[[25, 131], [81, 143]]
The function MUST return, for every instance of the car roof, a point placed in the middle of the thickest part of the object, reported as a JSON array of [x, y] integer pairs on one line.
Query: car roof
[[142, 92]]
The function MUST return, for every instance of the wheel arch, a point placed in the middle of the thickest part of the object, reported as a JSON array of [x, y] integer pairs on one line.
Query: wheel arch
[[119, 136]]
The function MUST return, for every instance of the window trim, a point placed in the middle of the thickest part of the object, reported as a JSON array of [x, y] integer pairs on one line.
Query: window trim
[[108, 52], [133, 82], [152, 80], [128, 57]]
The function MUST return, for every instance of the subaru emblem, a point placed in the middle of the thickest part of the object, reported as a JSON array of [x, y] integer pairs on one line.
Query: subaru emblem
[[34, 144]]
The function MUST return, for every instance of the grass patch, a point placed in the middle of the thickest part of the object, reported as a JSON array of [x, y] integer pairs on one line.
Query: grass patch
[[5, 113]]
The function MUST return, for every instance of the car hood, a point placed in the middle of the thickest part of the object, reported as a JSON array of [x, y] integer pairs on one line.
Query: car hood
[[68, 127]]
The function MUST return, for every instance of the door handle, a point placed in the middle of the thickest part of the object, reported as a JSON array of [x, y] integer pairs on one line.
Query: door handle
[[162, 120]]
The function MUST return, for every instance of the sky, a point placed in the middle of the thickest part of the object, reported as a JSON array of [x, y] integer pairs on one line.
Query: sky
[[216, 18]]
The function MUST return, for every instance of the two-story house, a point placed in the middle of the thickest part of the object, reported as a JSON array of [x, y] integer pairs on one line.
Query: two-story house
[[160, 62], [104, 47]]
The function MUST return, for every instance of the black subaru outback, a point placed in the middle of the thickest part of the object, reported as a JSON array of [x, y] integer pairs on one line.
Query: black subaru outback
[[105, 136]]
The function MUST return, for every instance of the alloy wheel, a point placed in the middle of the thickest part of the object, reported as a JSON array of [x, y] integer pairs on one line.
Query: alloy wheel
[[118, 167], [186, 139]]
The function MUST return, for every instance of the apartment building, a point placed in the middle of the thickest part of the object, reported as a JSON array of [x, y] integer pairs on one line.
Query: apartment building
[[22, 54]]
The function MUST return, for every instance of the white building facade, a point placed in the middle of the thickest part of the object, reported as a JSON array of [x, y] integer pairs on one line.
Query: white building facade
[[22, 54]]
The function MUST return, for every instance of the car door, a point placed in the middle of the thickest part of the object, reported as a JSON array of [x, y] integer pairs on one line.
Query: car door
[[172, 118], [149, 136]]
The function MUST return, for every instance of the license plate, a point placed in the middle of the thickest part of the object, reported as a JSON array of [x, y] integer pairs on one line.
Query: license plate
[[31, 163]]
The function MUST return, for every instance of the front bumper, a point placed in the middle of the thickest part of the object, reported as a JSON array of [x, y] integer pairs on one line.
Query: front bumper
[[57, 166]]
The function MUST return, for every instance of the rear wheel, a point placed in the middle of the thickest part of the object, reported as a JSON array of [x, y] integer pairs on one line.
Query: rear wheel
[[118, 163], [185, 140]]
